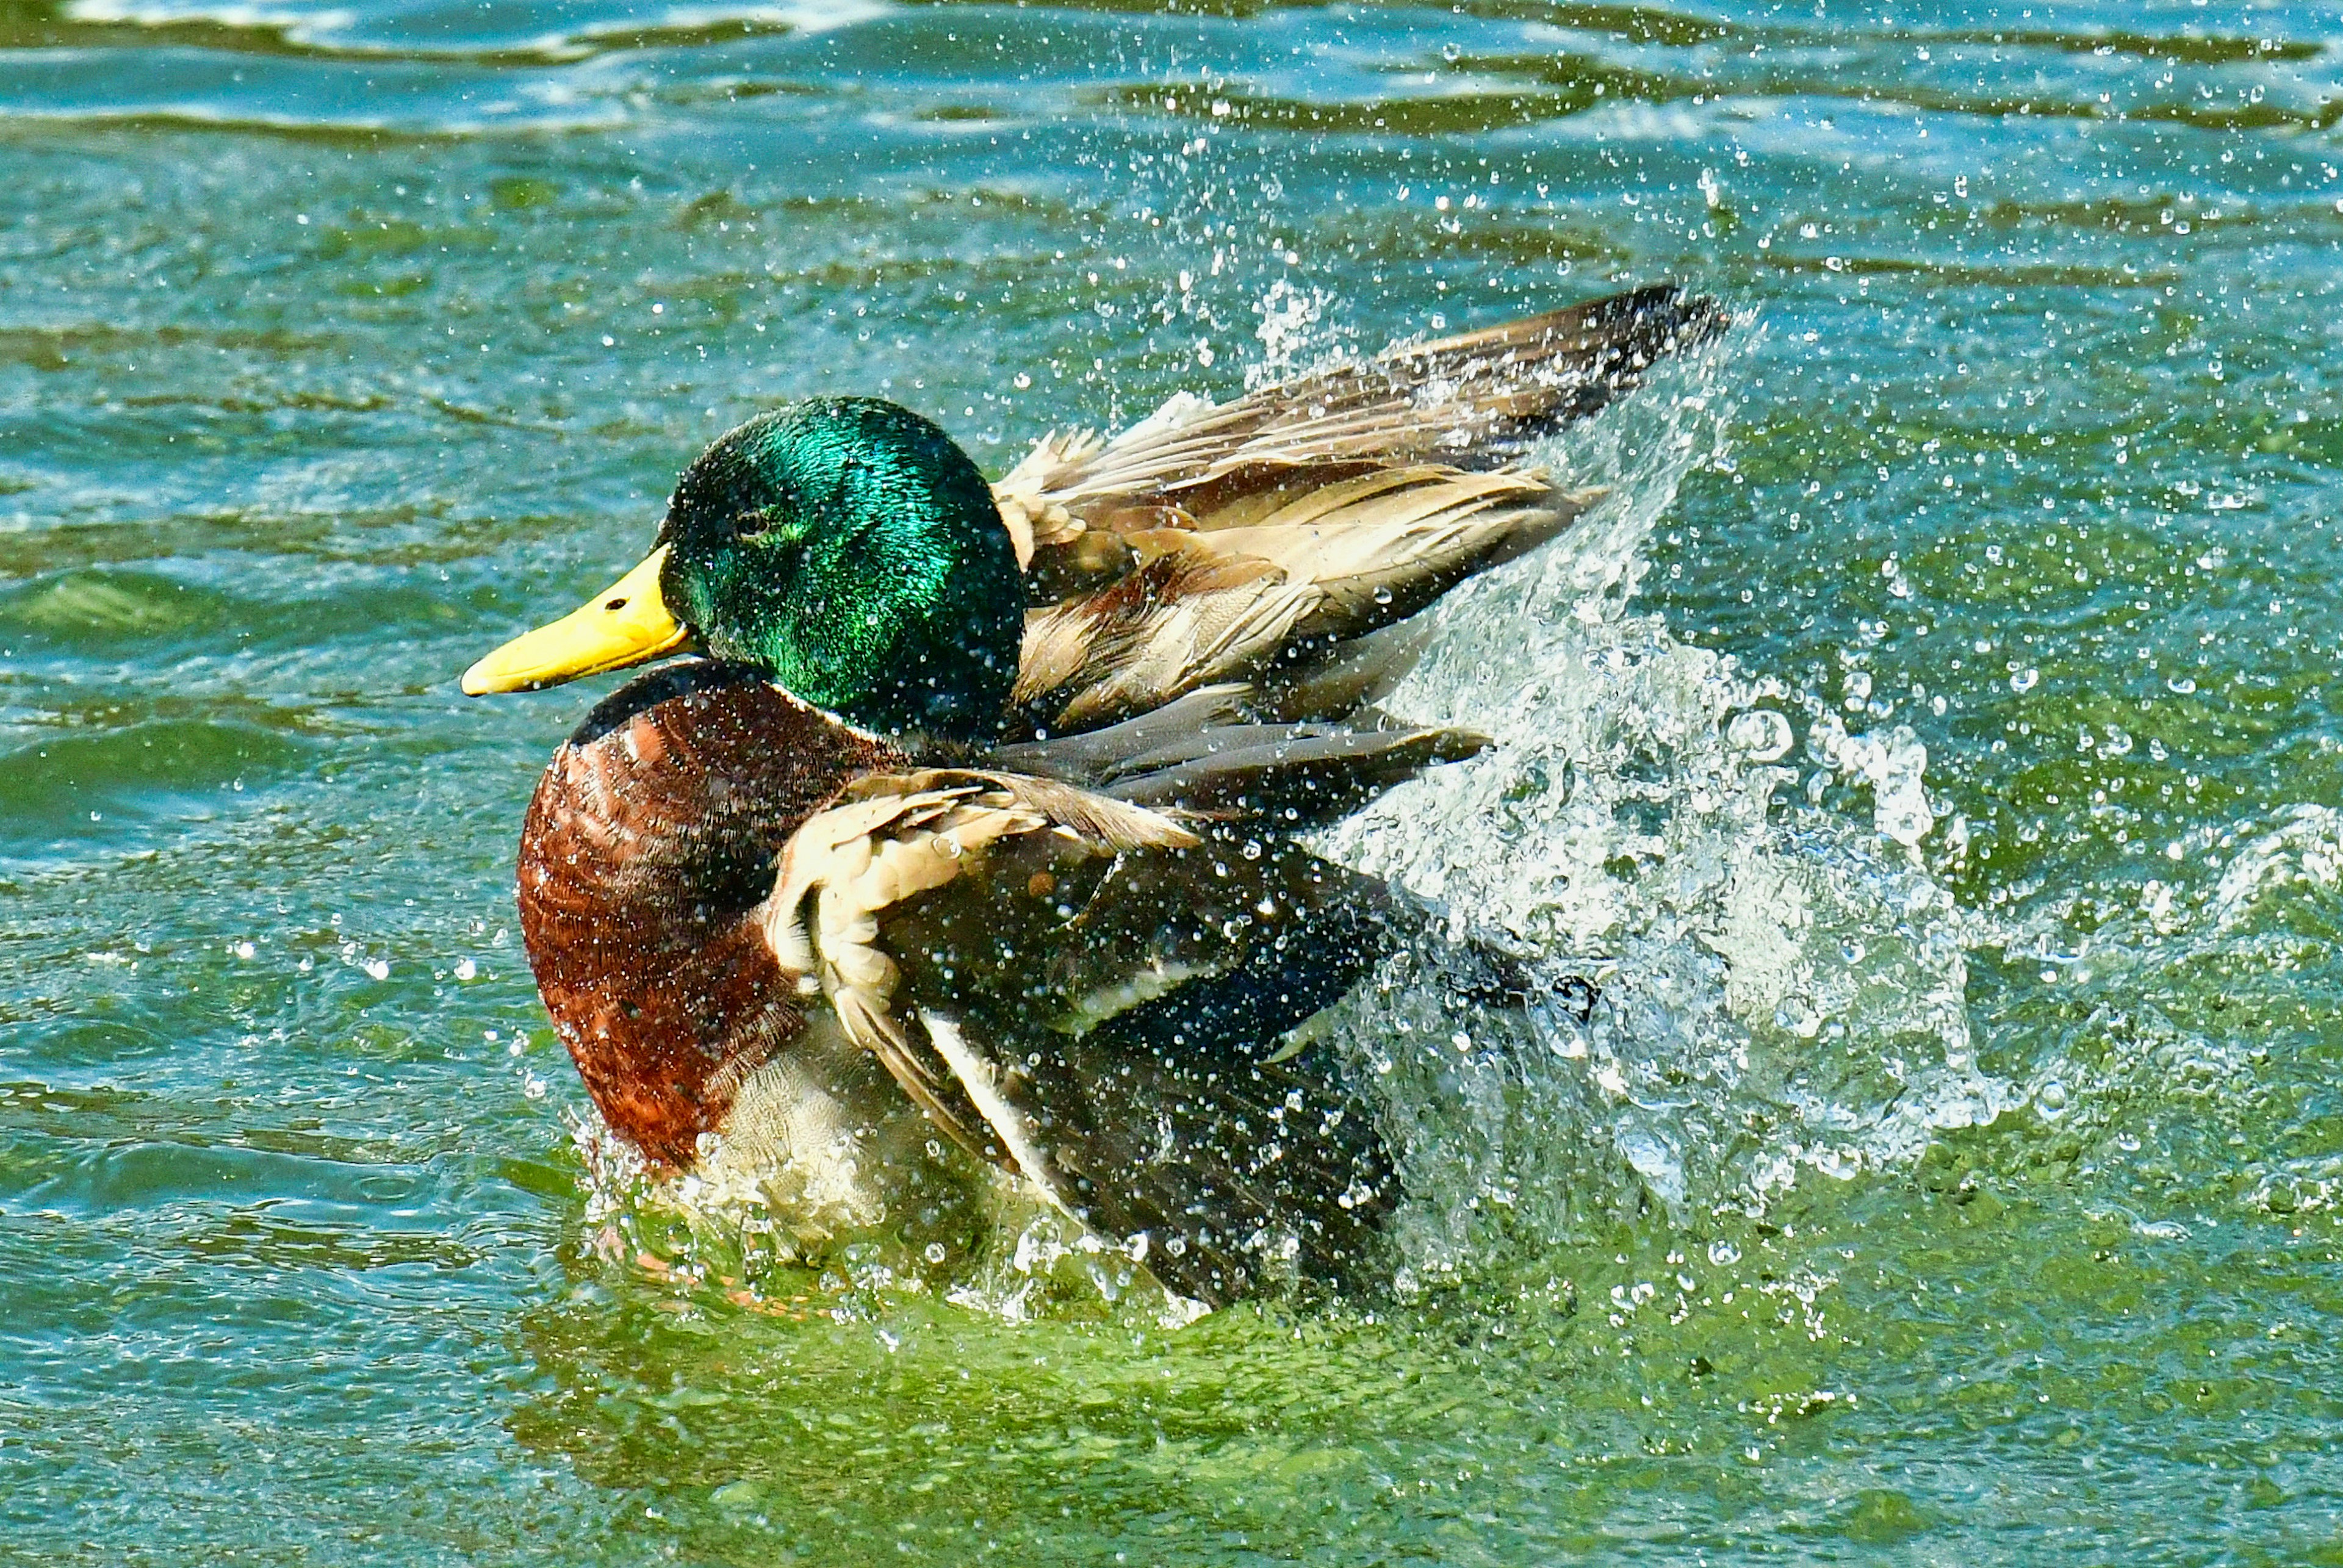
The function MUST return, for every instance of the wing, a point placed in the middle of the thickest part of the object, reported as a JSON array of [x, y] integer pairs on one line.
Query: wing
[[1093, 995], [892, 838], [1328, 562], [1208, 540], [1224, 753], [1471, 401], [1122, 1027]]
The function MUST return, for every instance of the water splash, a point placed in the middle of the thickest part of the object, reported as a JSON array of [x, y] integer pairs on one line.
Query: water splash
[[1784, 988], [1297, 332], [2238, 922]]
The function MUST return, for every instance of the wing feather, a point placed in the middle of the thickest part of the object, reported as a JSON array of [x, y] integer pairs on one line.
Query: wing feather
[[1472, 400], [890, 838], [1326, 565], [1208, 540]]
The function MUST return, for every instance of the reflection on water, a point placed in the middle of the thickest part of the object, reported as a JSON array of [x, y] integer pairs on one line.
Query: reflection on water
[[1929, 745]]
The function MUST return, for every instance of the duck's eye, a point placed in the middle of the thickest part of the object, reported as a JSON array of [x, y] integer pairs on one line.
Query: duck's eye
[[749, 525]]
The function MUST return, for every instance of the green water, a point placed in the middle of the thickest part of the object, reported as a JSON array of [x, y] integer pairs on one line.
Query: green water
[[1996, 1223]]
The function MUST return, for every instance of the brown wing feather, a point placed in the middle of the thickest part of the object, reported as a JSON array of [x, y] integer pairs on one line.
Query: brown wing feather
[[1208, 540], [1471, 401], [1325, 567], [1179, 621], [890, 838]]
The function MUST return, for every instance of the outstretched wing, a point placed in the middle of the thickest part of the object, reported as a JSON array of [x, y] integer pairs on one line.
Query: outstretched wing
[[1471, 401], [1330, 561], [1208, 540]]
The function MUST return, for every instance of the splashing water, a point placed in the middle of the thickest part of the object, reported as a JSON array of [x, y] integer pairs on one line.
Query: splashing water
[[1782, 991], [1295, 331]]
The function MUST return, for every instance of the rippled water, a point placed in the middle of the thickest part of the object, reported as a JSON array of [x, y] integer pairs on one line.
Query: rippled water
[[1930, 747]]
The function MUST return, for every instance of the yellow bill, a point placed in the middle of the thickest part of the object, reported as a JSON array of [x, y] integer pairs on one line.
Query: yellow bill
[[625, 623]]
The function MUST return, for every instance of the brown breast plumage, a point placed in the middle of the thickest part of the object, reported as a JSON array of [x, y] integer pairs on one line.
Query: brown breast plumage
[[649, 840]]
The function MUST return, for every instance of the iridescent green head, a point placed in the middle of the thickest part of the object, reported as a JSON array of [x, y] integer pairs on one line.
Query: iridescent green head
[[847, 547], [843, 545]]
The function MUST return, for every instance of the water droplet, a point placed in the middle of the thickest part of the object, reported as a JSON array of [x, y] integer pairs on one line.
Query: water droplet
[[1761, 733]]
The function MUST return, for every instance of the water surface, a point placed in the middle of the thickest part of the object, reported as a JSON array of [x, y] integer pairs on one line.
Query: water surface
[[1931, 745]]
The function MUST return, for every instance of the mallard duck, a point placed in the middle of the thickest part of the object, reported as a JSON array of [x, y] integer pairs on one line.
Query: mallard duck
[[965, 840]]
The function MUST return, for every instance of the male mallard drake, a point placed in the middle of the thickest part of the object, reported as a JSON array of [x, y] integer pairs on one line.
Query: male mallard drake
[[993, 787]]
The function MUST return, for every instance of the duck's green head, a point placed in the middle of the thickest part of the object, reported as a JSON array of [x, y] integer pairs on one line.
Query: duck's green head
[[843, 545]]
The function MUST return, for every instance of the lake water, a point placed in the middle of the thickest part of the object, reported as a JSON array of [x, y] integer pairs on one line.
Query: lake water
[[1930, 745]]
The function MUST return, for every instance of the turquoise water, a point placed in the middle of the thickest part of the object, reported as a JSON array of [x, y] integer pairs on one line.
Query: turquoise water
[[1934, 751]]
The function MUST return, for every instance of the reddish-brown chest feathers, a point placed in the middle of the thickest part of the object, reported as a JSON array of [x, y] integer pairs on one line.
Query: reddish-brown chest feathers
[[651, 837]]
